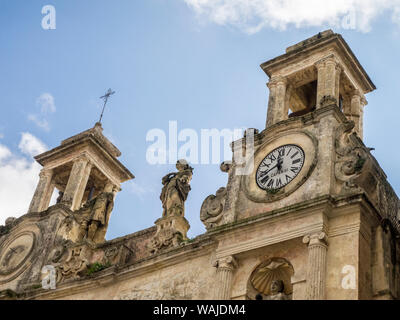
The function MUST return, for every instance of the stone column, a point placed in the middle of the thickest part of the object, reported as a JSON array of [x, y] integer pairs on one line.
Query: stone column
[[82, 186], [276, 102], [43, 192], [77, 183], [356, 111], [225, 268], [329, 72], [316, 265]]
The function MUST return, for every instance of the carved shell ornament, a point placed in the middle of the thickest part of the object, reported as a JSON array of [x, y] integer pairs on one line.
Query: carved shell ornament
[[269, 271]]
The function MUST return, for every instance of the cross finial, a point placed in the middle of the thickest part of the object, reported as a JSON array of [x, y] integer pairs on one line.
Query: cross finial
[[105, 98]]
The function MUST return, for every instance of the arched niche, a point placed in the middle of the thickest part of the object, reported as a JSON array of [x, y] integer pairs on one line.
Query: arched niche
[[263, 277]]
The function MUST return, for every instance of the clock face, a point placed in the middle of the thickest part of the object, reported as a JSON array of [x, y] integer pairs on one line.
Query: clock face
[[280, 167], [15, 253]]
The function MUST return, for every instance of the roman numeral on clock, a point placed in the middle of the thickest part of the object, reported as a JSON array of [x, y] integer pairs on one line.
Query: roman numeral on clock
[[270, 183], [294, 169]]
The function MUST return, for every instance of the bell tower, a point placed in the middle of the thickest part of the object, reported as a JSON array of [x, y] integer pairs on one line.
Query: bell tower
[[312, 72], [82, 167]]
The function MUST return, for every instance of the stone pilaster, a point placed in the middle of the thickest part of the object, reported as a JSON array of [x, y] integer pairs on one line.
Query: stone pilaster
[[328, 82], [43, 192], [276, 103], [77, 183], [225, 268], [316, 265], [355, 112]]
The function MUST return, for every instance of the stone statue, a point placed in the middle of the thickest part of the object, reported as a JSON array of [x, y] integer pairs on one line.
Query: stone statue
[[277, 291], [60, 196], [176, 189], [100, 213]]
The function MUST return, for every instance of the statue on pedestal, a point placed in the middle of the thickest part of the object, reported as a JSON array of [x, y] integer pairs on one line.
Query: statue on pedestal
[[172, 227], [176, 189]]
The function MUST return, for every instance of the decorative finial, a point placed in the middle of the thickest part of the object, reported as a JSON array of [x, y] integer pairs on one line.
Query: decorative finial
[[105, 98]]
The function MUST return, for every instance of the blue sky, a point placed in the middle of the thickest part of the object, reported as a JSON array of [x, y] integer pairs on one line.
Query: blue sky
[[188, 61]]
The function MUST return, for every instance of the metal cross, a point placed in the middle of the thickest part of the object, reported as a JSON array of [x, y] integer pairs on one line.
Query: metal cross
[[105, 98]]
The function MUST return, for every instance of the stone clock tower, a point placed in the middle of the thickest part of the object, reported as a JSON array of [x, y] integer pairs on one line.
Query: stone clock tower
[[307, 212], [313, 197]]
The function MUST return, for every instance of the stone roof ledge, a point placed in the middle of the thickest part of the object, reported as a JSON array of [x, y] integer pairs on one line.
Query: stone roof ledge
[[97, 133]]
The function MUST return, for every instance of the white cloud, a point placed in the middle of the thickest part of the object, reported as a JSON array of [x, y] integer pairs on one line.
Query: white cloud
[[47, 106], [46, 103], [19, 176], [41, 123], [31, 145], [253, 15]]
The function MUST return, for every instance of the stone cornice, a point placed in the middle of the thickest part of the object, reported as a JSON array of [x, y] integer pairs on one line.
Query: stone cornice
[[295, 123], [65, 149], [330, 40], [107, 277]]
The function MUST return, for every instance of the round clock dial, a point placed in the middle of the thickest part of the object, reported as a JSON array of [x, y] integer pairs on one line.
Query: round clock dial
[[280, 167], [15, 253]]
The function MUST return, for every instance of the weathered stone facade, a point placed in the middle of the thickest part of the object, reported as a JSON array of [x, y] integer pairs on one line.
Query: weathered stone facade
[[331, 232]]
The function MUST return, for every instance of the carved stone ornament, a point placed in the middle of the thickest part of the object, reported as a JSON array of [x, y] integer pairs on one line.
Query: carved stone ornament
[[271, 280], [171, 231], [350, 157], [211, 211], [228, 263], [75, 263], [327, 101]]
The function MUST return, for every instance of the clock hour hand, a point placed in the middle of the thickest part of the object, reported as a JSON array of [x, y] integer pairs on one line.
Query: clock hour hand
[[279, 164]]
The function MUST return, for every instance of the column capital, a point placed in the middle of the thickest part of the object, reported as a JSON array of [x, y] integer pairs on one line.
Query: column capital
[[331, 59], [275, 80], [318, 238], [357, 94], [82, 158], [46, 173], [228, 263]]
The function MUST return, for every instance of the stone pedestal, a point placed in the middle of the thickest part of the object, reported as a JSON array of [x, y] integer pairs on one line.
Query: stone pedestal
[[171, 230], [225, 268], [316, 265]]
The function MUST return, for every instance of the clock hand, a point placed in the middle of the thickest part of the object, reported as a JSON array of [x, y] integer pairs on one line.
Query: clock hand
[[265, 176], [279, 164]]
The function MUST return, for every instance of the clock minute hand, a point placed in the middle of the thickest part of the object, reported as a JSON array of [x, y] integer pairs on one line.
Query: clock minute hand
[[265, 176]]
